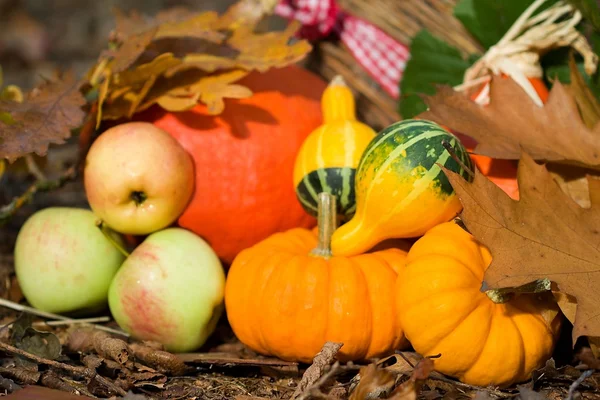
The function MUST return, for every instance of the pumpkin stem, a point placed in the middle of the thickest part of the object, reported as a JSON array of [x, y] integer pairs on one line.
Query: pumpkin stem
[[504, 295], [338, 101], [327, 223]]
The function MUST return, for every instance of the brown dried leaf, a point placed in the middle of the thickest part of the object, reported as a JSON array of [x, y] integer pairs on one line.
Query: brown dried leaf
[[410, 389], [22, 375], [179, 58], [87, 340], [211, 89], [543, 235], [161, 361], [127, 54], [173, 22], [512, 123], [52, 380], [321, 362], [586, 100], [46, 116], [573, 181], [374, 383]]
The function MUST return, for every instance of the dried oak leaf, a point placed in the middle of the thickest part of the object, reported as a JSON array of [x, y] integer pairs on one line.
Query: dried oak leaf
[[46, 116], [544, 234], [374, 383], [512, 123], [179, 58], [410, 389]]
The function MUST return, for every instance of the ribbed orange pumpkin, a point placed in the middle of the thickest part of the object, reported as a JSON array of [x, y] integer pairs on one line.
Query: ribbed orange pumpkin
[[244, 158], [443, 311], [286, 296]]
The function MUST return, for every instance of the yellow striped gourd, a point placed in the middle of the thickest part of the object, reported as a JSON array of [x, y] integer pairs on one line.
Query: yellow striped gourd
[[401, 191], [328, 158]]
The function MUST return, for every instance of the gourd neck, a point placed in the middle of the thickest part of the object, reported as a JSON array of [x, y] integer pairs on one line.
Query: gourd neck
[[337, 103], [326, 222]]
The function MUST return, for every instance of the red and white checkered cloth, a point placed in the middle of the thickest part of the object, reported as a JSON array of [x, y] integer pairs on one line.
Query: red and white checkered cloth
[[381, 55]]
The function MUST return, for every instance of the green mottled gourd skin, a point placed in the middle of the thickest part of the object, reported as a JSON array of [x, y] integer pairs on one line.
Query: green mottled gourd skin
[[401, 190]]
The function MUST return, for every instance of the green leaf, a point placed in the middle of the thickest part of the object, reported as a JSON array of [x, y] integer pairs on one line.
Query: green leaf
[[489, 20], [432, 61], [590, 9]]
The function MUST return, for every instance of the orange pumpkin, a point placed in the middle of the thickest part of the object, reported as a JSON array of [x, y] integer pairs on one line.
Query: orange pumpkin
[[244, 158], [287, 295], [483, 338]]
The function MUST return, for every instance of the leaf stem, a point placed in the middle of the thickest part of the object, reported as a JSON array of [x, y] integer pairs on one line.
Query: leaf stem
[[326, 221]]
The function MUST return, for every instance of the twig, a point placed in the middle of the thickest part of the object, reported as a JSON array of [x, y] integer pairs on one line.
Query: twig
[[30, 310], [314, 373], [579, 381], [33, 168], [314, 390], [11, 208], [72, 321], [448, 147], [83, 371]]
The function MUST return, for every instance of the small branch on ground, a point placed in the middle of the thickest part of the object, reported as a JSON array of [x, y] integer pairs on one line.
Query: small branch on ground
[[321, 361], [71, 321], [82, 371], [579, 381], [7, 211], [34, 311], [33, 168]]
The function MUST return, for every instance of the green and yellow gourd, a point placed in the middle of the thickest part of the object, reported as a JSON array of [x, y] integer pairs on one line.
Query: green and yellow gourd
[[401, 190], [327, 160]]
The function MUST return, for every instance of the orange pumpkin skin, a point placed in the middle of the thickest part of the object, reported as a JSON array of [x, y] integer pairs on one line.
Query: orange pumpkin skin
[[244, 158], [442, 311], [283, 302]]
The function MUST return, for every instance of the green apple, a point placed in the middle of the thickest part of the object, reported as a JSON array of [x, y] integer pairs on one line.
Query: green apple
[[63, 261], [170, 290], [138, 179]]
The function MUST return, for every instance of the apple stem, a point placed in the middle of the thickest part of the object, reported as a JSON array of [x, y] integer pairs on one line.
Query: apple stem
[[102, 226], [138, 197]]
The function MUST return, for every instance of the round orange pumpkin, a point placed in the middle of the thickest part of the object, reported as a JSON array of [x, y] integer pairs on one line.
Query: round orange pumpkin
[[287, 295], [481, 338], [244, 158]]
